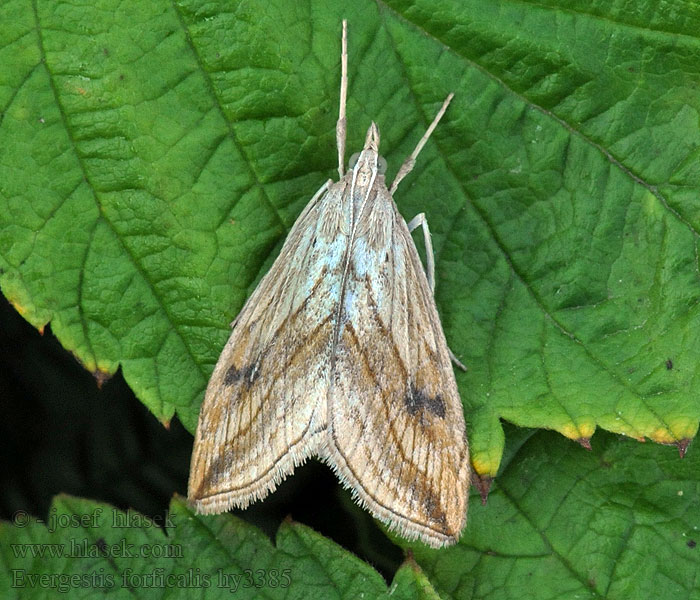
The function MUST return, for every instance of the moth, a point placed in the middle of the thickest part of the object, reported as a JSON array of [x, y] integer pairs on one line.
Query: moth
[[339, 354]]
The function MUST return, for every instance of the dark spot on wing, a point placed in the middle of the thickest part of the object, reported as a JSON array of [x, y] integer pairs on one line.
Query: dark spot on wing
[[247, 374], [432, 508], [232, 375], [217, 469], [418, 401], [430, 504]]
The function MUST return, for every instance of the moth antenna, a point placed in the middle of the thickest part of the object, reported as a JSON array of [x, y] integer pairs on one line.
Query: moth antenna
[[340, 128], [408, 164]]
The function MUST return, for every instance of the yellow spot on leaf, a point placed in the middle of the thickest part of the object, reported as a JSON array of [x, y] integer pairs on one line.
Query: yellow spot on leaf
[[662, 436], [484, 465], [577, 431], [19, 308], [683, 428]]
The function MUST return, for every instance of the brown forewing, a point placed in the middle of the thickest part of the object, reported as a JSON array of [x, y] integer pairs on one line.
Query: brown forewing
[[396, 424], [264, 409]]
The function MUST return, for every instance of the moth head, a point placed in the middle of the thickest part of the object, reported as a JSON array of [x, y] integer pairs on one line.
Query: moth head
[[369, 159], [372, 138]]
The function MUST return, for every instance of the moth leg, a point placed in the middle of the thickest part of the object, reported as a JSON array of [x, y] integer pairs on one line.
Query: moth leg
[[407, 165], [340, 127], [322, 189], [455, 360], [420, 221]]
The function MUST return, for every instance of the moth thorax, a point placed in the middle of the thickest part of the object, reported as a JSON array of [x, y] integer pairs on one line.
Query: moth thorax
[[376, 220], [365, 174]]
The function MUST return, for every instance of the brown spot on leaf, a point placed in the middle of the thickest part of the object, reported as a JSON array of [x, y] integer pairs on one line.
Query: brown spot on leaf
[[483, 484], [101, 377], [410, 562], [683, 446], [669, 364], [585, 442]]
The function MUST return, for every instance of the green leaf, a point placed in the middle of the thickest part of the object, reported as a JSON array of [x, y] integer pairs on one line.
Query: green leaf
[[87, 547], [153, 156], [620, 522]]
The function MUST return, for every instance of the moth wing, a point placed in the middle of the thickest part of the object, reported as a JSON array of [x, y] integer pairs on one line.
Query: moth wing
[[264, 408], [396, 424]]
